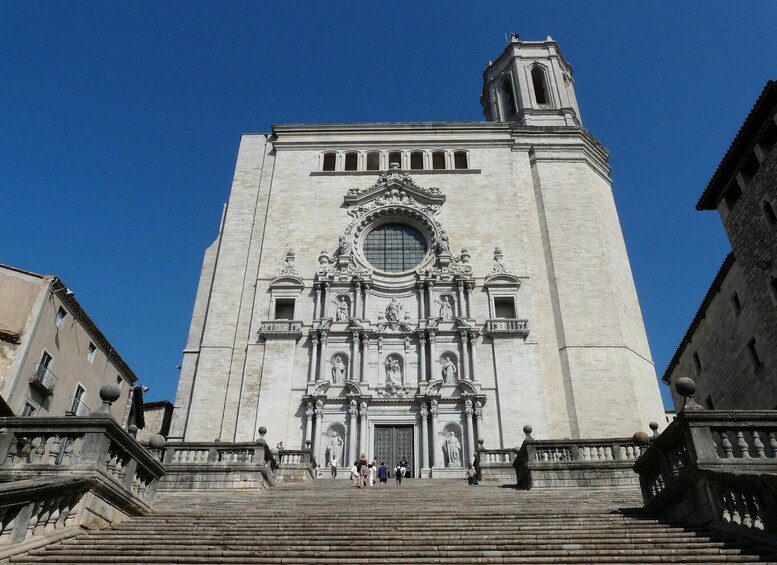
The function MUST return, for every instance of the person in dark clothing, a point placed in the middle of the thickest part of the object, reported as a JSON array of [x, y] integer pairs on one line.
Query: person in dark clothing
[[383, 473]]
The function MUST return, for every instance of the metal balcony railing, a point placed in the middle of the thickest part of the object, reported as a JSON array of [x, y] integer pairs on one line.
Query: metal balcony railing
[[43, 380]]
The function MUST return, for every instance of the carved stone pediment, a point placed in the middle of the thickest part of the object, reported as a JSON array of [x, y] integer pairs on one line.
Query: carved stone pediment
[[433, 387], [392, 390], [319, 388], [352, 388], [467, 388], [394, 187]]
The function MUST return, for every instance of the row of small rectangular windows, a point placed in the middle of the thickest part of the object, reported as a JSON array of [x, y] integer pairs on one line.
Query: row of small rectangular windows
[[60, 320], [381, 160], [752, 353], [748, 170]]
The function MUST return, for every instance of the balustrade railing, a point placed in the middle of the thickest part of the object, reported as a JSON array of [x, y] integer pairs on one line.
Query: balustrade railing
[[717, 467], [216, 453], [507, 326], [578, 462], [280, 328]]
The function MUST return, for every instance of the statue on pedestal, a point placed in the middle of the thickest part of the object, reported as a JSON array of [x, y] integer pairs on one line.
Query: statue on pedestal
[[338, 369], [335, 447], [453, 448], [393, 371], [448, 370], [393, 310], [446, 308], [341, 315]]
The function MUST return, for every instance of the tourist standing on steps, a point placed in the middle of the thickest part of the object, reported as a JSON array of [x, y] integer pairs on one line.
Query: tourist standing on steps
[[371, 475], [363, 470], [333, 467], [383, 473], [399, 473], [472, 475], [355, 473]]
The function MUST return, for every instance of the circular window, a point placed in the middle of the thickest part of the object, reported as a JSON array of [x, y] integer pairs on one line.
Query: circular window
[[394, 248]]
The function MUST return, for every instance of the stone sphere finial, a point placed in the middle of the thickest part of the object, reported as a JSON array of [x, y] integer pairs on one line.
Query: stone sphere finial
[[109, 394], [464, 255], [307, 443], [132, 429], [654, 426], [527, 429], [686, 387], [157, 441], [640, 438], [262, 430]]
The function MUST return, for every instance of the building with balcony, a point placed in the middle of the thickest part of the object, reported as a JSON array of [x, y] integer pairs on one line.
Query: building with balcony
[[730, 348], [53, 358], [406, 289]]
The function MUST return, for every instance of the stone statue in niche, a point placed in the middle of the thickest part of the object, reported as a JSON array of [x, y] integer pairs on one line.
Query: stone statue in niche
[[393, 310], [446, 308], [335, 447], [444, 245], [448, 369], [393, 371], [338, 369], [453, 449], [341, 314]]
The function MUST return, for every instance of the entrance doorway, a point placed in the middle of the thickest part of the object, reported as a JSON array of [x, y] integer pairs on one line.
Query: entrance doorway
[[394, 443]]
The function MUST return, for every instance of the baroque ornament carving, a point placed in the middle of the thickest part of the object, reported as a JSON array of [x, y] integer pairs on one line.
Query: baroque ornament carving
[[498, 267], [392, 390], [289, 269]]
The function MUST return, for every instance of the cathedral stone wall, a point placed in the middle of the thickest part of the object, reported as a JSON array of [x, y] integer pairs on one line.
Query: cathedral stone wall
[[521, 311]]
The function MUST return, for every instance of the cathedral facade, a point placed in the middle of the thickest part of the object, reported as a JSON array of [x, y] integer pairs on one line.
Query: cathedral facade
[[405, 290]]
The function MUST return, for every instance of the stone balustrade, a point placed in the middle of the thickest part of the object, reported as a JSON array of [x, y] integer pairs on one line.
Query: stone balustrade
[[280, 329], [494, 464], [578, 462], [61, 472], [715, 468], [507, 326]]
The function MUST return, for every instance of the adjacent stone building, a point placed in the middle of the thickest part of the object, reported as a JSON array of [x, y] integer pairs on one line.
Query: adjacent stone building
[[405, 289], [53, 358], [730, 349]]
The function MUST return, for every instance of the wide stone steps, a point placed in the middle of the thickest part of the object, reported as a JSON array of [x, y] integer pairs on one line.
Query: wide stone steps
[[423, 522]]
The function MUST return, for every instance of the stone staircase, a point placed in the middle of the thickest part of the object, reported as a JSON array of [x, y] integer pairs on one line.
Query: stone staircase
[[328, 521]]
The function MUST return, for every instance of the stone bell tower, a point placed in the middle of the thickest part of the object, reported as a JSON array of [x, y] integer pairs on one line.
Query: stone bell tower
[[530, 83]]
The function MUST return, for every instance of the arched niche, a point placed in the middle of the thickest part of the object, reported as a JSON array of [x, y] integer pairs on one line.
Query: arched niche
[[342, 307], [445, 303], [335, 444], [449, 367], [338, 367], [393, 367], [452, 443]]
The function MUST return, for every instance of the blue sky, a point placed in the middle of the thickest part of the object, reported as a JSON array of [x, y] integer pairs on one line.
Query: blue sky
[[119, 126]]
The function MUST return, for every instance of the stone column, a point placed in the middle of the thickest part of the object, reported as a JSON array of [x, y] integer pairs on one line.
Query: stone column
[[324, 299], [357, 300], [317, 309], [365, 353], [421, 301], [433, 443], [473, 343], [405, 362], [465, 355], [424, 412], [363, 428], [309, 422], [322, 364], [353, 434], [380, 358], [429, 286], [313, 358], [354, 356], [461, 300], [432, 357], [422, 356], [470, 431], [366, 302], [318, 426], [468, 298], [479, 418]]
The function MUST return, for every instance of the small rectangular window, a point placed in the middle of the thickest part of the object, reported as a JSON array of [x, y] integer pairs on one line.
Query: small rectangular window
[[736, 304], [438, 160], [769, 214], [504, 307], [460, 160], [28, 409], [284, 309], [395, 157], [773, 289], [329, 161], [416, 160], [696, 363], [373, 161], [752, 351], [60, 319], [90, 352], [751, 166], [709, 404], [732, 194], [351, 161], [77, 406]]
